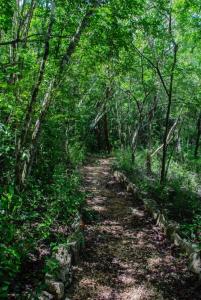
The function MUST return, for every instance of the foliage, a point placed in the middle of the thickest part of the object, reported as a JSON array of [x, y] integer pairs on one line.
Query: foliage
[[35, 219], [81, 77]]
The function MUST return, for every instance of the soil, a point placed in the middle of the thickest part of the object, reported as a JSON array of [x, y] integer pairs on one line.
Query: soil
[[126, 255]]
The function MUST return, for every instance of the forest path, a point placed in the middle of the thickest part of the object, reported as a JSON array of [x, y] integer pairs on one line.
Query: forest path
[[126, 254]]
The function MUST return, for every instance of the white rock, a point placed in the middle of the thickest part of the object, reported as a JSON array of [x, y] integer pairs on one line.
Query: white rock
[[46, 296], [195, 263], [76, 223], [64, 258]]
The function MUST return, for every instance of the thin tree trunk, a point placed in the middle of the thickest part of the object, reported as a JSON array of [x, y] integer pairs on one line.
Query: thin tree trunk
[[148, 158], [74, 41], [119, 128], [28, 21], [106, 133], [165, 144], [28, 116], [134, 141], [168, 139], [105, 122], [197, 144], [36, 134], [151, 114]]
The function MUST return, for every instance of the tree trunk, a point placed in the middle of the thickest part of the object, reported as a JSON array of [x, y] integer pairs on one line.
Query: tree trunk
[[148, 159], [29, 111], [22, 173], [28, 116], [106, 133], [35, 136], [197, 143], [134, 142], [165, 142]]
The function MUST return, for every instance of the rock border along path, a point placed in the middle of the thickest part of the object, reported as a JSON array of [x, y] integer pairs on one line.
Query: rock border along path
[[126, 255], [171, 229]]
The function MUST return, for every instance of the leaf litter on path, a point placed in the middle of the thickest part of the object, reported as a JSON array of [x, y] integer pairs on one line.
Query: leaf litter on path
[[126, 257]]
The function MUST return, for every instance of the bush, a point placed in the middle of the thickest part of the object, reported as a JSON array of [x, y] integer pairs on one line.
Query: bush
[[77, 153], [124, 160], [37, 217]]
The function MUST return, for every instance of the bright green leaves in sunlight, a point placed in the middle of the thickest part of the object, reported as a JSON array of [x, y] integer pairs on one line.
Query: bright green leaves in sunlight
[[83, 77]]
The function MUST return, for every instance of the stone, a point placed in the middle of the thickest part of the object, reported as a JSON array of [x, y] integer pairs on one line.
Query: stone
[[177, 239], [45, 296], [155, 213], [56, 288], [25, 295], [120, 177], [161, 221], [49, 276], [131, 188], [187, 247], [195, 263], [76, 223], [75, 249], [64, 258]]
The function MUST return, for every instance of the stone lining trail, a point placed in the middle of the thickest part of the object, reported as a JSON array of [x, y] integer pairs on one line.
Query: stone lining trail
[[126, 254]]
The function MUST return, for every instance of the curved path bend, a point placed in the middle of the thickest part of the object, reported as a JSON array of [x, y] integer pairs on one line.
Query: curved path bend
[[126, 257]]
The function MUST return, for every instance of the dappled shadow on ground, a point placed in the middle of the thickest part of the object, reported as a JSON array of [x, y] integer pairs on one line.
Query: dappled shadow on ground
[[126, 254]]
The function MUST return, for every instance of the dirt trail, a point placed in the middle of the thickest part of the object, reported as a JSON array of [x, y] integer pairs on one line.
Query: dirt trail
[[126, 255]]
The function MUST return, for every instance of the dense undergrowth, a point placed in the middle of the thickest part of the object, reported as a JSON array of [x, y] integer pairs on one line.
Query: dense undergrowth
[[34, 222], [179, 198]]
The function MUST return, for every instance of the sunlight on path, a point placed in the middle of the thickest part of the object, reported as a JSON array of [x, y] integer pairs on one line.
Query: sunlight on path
[[126, 255]]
